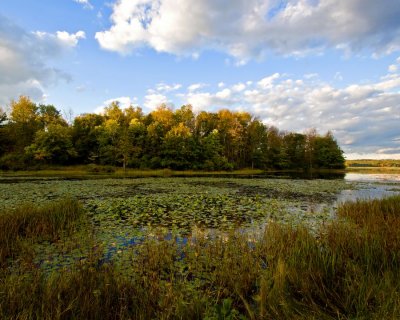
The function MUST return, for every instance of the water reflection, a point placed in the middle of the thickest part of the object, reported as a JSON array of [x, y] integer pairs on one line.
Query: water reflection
[[370, 186], [372, 177]]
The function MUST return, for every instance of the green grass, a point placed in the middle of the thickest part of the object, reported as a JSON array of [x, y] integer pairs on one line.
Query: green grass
[[90, 171], [31, 223], [348, 270]]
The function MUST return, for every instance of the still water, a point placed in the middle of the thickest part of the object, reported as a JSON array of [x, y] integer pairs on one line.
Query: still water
[[370, 186]]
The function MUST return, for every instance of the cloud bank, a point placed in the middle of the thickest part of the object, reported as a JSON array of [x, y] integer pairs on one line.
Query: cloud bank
[[24, 67], [247, 29]]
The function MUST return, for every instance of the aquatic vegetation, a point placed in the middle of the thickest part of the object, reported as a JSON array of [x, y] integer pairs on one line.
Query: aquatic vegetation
[[349, 269], [122, 211], [27, 222]]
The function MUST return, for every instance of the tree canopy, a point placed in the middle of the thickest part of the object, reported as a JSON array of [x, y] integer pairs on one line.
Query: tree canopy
[[177, 139]]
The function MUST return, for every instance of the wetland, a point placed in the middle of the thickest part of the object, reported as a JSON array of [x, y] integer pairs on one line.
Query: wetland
[[123, 221]]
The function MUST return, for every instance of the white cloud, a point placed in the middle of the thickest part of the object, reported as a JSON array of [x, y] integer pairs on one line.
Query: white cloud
[[267, 82], [209, 101], [154, 100], [86, 4], [355, 156], [196, 86], [168, 88], [124, 102], [63, 37], [24, 61], [224, 94], [250, 29], [239, 87], [70, 39], [392, 68]]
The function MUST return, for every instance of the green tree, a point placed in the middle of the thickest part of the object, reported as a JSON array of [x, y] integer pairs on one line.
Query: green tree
[[294, 145], [311, 136], [177, 148], [273, 150], [186, 116], [4, 135], [256, 143], [48, 114], [327, 153], [212, 153], [108, 138], [125, 146], [53, 145], [85, 137]]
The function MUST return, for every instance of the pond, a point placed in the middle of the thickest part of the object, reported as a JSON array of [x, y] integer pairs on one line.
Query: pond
[[370, 186], [122, 212]]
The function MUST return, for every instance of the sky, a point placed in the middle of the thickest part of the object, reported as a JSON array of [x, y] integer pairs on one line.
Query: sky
[[295, 64]]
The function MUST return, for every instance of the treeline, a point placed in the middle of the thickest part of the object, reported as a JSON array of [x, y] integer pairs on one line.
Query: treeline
[[32, 135], [373, 163]]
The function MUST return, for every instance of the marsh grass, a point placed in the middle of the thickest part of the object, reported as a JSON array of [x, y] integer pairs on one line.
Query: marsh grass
[[109, 171], [31, 223], [349, 270]]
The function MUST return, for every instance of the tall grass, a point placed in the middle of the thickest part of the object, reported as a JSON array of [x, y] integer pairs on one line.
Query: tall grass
[[32, 222], [350, 270]]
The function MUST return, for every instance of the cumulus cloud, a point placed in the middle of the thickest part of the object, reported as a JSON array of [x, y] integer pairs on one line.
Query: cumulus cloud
[[62, 37], [153, 100], [70, 39], [251, 28], [124, 102], [23, 60], [162, 87], [196, 86], [239, 87]]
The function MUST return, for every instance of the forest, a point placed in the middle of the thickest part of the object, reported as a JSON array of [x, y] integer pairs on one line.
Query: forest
[[32, 135]]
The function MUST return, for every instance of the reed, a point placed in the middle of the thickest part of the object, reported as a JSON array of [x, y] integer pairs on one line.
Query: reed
[[349, 270], [31, 222]]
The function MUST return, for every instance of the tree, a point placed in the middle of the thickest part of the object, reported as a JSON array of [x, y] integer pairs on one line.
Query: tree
[[138, 135], [256, 143], [177, 148], [327, 153], [273, 151], [205, 123], [114, 112], [108, 135], [212, 153], [48, 114], [185, 115], [53, 145], [24, 122], [85, 137], [311, 136], [3, 116], [4, 134], [133, 114], [125, 147], [294, 145], [23, 110]]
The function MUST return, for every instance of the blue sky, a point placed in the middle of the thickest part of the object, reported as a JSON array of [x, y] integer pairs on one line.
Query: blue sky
[[296, 64]]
